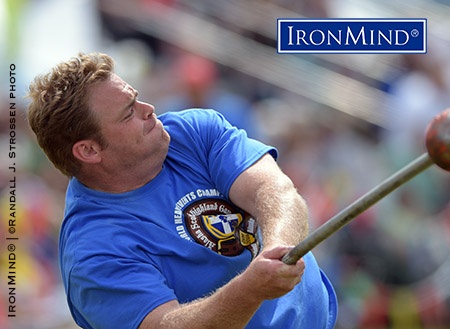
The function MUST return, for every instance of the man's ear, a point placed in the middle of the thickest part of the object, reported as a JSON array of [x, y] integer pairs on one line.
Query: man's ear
[[87, 151]]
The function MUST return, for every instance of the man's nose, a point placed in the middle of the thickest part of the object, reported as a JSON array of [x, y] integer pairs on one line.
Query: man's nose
[[147, 110]]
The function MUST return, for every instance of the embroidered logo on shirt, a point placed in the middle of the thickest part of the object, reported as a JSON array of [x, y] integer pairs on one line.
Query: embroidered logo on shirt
[[217, 225]]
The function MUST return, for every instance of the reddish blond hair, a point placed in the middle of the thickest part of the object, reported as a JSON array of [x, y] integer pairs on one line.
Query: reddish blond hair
[[59, 114]]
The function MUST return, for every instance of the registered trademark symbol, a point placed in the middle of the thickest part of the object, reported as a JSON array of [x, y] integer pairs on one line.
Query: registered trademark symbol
[[414, 33]]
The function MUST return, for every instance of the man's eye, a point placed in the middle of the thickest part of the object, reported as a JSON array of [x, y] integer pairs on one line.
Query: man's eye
[[130, 114]]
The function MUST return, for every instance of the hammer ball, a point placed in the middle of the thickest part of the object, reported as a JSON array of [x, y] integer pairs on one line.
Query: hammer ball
[[438, 139]]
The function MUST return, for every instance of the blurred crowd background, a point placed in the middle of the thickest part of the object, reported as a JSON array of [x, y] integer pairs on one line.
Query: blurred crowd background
[[341, 123]]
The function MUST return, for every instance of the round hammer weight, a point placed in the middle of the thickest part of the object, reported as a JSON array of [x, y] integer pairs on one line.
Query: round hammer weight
[[438, 147]]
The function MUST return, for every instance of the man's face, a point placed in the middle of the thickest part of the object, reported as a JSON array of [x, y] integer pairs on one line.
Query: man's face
[[130, 128]]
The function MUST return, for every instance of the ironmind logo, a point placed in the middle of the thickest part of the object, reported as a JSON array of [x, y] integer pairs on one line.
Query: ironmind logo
[[352, 36]]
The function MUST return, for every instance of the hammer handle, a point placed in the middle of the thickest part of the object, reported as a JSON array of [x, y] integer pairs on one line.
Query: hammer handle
[[357, 207]]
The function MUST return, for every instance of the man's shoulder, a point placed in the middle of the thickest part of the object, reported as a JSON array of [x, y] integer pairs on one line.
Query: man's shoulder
[[193, 124], [189, 115]]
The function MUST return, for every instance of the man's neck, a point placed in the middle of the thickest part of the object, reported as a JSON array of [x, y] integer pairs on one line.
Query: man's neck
[[117, 182]]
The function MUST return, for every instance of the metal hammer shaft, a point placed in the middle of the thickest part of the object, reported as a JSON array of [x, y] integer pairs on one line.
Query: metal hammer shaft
[[346, 215]]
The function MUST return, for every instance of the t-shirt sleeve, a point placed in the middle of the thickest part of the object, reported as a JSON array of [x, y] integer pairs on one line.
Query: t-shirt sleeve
[[112, 279], [231, 151], [228, 151], [116, 292]]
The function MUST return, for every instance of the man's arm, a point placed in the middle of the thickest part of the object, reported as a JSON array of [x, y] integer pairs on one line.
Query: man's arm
[[264, 191], [233, 305], [269, 195]]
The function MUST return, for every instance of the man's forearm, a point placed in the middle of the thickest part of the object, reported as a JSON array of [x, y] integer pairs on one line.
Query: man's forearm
[[266, 277], [215, 311]]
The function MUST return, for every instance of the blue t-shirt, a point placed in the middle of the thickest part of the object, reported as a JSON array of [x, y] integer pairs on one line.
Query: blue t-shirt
[[177, 237]]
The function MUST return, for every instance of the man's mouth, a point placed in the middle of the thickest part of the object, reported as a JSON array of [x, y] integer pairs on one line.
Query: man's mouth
[[150, 124]]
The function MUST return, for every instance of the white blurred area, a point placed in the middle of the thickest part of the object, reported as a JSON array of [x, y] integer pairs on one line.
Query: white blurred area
[[342, 123], [53, 31]]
